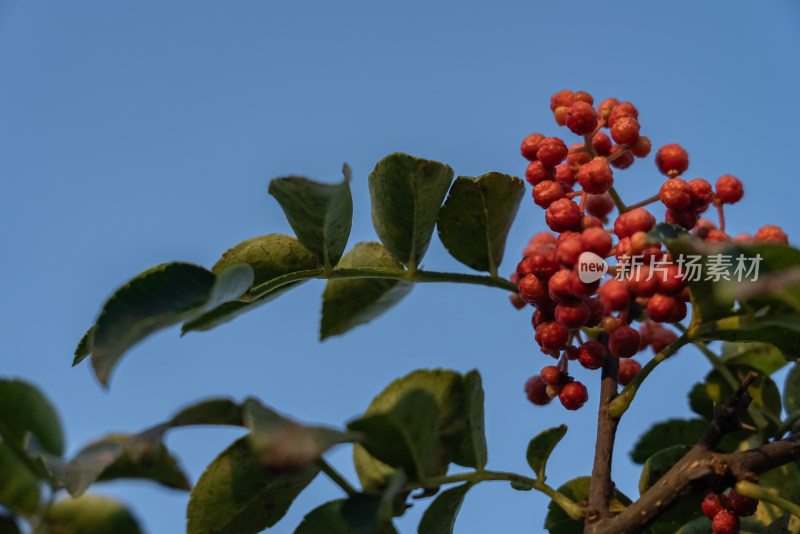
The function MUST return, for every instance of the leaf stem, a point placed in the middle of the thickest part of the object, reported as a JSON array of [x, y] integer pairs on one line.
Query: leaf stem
[[621, 403], [568, 505], [336, 477], [755, 491], [377, 272]]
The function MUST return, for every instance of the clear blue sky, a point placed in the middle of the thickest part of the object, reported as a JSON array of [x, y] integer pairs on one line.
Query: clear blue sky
[[134, 133]]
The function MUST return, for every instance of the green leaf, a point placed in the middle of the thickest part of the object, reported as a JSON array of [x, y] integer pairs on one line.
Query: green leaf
[[440, 517], [281, 443], [785, 480], [23, 409], [558, 522], [117, 456], [785, 524], [326, 518], [762, 356], [157, 298], [406, 194], [347, 303], [667, 434], [209, 412], [19, 488], [270, 256], [230, 284], [707, 305], [447, 389], [84, 348], [90, 514], [783, 331], [368, 513], [320, 214], [472, 451], [238, 495], [404, 437], [541, 447], [791, 390], [475, 220]]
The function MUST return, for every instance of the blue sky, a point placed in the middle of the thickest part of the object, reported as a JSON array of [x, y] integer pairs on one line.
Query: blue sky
[[134, 133]]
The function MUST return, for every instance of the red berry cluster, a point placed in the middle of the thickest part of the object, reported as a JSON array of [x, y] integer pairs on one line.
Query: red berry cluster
[[573, 185], [725, 511]]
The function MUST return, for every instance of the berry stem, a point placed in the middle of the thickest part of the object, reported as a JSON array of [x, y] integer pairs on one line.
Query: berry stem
[[621, 207], [375, 272], [643, 203], [336, 477], [568, 505], [754, 491], [587, 142], [623, 401], [721, 213]]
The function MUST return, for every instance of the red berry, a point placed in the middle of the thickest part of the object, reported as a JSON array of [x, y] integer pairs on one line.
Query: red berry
[[725, 523], [562, 98], [641, 283], [624, 342], [551, 375], [581, 118], [729, 189], [672, 160], [530, 145], [628, 369], [663, 308], [590, 221], [596, 177], [578, 156], [536, 172], [641, 148], [630, 222], [582, 96], [573, 395], [599, 205], [552, 151], [536, 391], [717, 236], [565, 173], [596, 313], [569, 250], [605, 107], [624, 160], [578, 288], [741, 505], [553, 336], [661, 337], [671, 280], [623, 109], [559, 287], [601, 144], [562, 215], [541, 316], [516, 301], [560, 115], [625, 131], [676, 193], [531, 289], [701, 193], [547, 192], [771, 234], [571, 352], [596, 240], [713, 504], [592, 355], [572, 314], [614, 295], [685, 217], [544, 263]]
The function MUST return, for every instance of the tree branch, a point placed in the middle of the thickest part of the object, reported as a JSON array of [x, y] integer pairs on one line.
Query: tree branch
[[702, 468], [601, 485]]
